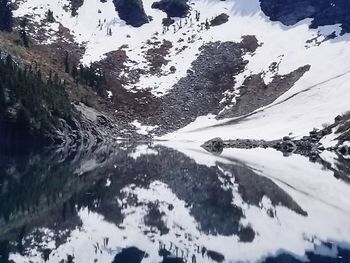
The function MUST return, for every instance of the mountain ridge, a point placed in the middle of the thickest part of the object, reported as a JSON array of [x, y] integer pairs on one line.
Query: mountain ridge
[[144, 66]]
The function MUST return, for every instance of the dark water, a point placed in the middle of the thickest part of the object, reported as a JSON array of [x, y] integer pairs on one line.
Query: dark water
[[151, 203]]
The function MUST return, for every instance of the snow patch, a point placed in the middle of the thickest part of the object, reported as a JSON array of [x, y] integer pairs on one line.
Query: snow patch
[[143, 129], [142, 150]]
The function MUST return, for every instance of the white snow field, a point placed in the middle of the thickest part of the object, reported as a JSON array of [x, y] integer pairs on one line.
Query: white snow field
[[320, 95]]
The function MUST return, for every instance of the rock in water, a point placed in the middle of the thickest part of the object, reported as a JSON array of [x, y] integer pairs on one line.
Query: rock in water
[[215, 145], [344, 150], [288, 147], [131, 11]]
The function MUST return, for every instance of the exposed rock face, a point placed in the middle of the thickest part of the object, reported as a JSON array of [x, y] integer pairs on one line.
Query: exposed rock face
[[131, 254], [309, 146], [173, 8], [219, 20], [6, 19], [343, 127], [344, 150], [75, 5], [326, 12], [131, 11]]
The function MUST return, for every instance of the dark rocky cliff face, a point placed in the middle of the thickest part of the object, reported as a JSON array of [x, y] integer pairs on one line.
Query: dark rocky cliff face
[[323, 12], [131, 11], [75, 5], [6, 19], [173, 8]]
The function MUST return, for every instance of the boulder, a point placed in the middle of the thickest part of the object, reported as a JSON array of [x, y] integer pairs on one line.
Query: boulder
[[168, 21], [344, 150], [215, 145], [131, 11], [219, 20], [131, 255], [325, 12], [288, 147], [173, 8]]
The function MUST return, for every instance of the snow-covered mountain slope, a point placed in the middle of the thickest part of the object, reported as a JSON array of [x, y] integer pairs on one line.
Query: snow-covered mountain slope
[[314, 100]]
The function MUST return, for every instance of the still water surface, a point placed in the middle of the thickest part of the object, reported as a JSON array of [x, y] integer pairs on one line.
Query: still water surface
[[157, 203]]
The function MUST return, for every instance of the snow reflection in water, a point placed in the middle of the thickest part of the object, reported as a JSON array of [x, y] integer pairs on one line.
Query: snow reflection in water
[[173, 203]]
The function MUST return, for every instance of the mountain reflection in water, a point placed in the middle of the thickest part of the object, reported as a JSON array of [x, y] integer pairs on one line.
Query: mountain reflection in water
[[173, 203]]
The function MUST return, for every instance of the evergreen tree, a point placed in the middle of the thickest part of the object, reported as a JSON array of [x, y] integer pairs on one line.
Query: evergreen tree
[[66, 62], [37, 104], [50, 16], [2, 97], [75, 73], [91, 76], [23, 32]]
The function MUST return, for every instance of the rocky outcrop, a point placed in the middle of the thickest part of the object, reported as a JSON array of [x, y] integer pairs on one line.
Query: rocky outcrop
[[215, 145], [75, 5], [131, 11], [173, 8], [342, 124], [6, 19], [130, 254], [200, 92], [219, 20], [327, 12], [309, 146]]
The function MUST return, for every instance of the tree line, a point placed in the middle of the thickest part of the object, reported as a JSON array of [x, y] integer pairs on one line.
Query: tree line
[[91, 76], [29, 101]]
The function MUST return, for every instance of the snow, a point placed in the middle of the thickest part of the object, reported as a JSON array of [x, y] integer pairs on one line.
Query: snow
[[142, 150], [319, 96], [142, 129], [316, 190], [330, 139], [109, 94], [322, 93]]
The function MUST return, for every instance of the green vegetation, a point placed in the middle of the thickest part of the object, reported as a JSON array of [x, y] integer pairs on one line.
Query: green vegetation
[[28, 103], [23, 32], [92, 77]]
